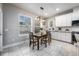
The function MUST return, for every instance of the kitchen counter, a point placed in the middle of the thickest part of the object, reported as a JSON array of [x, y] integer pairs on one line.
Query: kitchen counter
[[62, 35], [62, 31]]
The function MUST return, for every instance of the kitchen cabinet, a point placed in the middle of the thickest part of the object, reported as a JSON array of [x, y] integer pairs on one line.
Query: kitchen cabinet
[[53, 34], [63, 36], [58, 21], [68, 37], [75, 13], [63, 20], [69, 19]]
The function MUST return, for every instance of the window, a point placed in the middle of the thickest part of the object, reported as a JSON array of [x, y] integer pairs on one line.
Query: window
[[24, 24]]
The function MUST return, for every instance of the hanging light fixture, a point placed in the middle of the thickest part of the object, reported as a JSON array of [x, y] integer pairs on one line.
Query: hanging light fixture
[[41, 18]]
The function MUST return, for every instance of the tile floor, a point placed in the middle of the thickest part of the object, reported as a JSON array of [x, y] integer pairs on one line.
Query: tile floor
[[56, 48]]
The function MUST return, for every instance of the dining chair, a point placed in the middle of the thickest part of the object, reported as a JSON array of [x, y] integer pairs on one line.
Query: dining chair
[[44, 39], [33, 40], [30, 37], [49, 37]]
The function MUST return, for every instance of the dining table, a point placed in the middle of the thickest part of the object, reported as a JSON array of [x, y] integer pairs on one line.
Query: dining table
[[39, 36]]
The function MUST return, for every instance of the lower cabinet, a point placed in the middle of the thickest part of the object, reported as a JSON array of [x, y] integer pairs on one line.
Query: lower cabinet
[[68, 37], [63, 36]]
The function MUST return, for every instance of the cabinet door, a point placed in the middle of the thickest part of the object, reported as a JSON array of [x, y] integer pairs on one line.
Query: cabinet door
[[69, 19], [68, 37], [61, 21], [58, 21], [74, 17], [63, 37], [75, 13], [55, 35], [52, 35]]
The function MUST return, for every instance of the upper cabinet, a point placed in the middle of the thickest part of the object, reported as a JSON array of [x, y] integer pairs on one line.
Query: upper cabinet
[[63, 20], [69, 19], [59, 21], [75, 13]]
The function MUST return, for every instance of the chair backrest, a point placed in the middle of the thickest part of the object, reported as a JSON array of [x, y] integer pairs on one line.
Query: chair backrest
[[30, 35], [48, 33]]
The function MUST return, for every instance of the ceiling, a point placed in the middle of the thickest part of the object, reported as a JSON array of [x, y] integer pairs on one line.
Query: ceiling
[[49, 8]]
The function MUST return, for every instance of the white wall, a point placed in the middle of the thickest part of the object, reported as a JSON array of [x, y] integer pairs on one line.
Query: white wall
[[52, 19], [11, 29], [1, 27]]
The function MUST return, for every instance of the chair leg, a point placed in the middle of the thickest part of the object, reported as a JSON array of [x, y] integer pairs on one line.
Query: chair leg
[[45, 43], [41, 41], [49, 41], [30, 43], [33, 46]]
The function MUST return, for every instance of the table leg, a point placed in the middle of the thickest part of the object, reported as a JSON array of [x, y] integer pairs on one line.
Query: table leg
[[30, 43], [38, 44], [46, 43]]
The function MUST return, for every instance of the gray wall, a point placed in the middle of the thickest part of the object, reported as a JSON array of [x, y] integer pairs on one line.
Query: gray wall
[[1, 27], [10, 21]]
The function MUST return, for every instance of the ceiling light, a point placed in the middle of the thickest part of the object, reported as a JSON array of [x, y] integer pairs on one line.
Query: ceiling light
[[57, 9]]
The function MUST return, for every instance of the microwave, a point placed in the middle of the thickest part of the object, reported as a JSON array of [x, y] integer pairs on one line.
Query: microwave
[[75, 23]]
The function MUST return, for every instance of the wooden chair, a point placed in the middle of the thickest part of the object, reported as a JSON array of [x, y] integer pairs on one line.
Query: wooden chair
[[49, 37], [33, 40], [30, 37], [44, 39]]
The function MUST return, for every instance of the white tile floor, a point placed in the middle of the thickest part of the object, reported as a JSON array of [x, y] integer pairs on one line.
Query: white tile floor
[[56, 48]]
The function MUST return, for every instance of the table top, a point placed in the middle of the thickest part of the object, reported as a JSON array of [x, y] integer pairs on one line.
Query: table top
[[39, 33]]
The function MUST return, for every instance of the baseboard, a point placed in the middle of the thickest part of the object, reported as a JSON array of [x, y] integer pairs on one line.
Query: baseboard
[[61, 41], [14, 44]]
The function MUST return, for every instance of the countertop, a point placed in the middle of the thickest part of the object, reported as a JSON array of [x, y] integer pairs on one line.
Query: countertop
[[62, 31]]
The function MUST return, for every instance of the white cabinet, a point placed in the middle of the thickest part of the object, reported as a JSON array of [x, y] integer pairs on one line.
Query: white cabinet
[[75, 13], [53, 35], [68, 37], [69, 19], [59, 21], [63, 20], [58, 35], [63, 36]]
